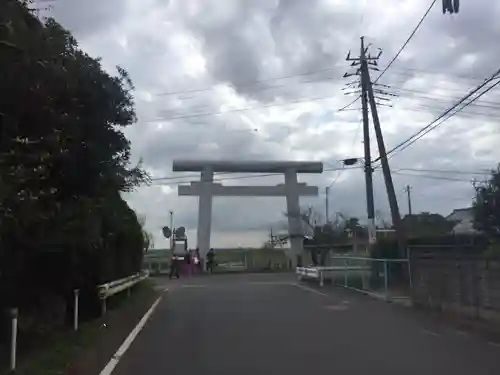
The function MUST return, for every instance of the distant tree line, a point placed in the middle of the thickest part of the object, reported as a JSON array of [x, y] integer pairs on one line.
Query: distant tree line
[[422, 229]]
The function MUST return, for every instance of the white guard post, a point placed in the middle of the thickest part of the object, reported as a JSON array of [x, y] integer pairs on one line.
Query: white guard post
[[206, 189]]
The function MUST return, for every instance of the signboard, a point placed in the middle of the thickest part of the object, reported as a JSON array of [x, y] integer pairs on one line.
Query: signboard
[[180, 232], [180, 248], [167, 232]]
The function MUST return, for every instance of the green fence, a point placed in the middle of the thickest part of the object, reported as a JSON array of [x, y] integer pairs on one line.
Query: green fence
[[251, 260], [228, 260]]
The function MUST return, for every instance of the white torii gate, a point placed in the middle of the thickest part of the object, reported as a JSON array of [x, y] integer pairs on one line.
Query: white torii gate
[[206, 189]]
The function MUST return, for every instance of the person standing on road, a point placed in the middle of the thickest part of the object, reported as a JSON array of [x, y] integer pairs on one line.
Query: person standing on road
[[189, 263], [210, 260], [174, 267]]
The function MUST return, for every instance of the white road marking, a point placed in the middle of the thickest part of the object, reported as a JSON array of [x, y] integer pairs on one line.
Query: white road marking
[[306, 288], [128, 341], [430, 333], [496, 344], [165, 290]]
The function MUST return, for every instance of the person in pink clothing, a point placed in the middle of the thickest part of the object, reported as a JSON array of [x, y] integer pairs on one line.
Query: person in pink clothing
[[199, 264], [196, 262]]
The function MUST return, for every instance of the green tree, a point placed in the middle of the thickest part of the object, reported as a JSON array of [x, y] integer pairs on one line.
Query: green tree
[[486, 206], [64, 161], [426, 224], [148, 236]]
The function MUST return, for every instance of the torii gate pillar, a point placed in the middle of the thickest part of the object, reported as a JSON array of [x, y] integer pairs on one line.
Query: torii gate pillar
[[295, 229], [205, 211]]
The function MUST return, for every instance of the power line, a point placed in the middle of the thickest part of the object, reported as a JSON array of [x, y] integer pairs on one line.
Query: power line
[[434, 126], [403, 71], [444, 171], [170, 178], [194, 115], [465, 114], [426, 129], [442, 97], [432, 177], [397, 54], [249, 83], [428, 176], [263, 88], [407, 41], [348, 105], [350, 152], [215, 179]]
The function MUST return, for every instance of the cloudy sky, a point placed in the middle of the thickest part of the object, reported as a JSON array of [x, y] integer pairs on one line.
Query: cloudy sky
[[262, 80]]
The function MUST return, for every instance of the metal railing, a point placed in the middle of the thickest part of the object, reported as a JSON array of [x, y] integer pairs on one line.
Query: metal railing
[[104, 291], [389, 279], [114, 287]]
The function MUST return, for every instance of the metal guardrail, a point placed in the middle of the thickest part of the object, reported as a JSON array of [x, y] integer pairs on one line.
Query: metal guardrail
[[379, 269], [104, 291], [363, 269], [325, 273], [114, 287]]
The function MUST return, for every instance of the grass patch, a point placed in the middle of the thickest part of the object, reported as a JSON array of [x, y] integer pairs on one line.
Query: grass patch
[[56, 357], [63, 348]]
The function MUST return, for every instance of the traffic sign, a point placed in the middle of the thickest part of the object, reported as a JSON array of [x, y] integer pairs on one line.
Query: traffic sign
[[167, 232], [180, 232]]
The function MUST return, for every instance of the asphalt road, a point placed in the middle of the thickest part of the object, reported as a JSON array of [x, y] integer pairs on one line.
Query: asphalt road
[[228, 325]]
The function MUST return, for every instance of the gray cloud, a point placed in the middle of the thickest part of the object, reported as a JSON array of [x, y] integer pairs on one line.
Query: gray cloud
[[219, 47], [86, 17]]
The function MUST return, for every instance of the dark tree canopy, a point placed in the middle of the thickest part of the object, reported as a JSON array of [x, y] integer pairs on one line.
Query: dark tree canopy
[[426, 224], [64, 160], [487, 206]]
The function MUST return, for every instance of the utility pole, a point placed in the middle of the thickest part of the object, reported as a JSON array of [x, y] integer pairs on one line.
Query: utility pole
[[408, 193], [393, 203], [362, 61], [365, 62], [172, 229], [327, 192]]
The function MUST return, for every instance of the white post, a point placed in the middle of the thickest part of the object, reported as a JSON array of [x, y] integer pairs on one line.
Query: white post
[[75, 311], [386, 280], [13, 342], [346, 276], [363, 275], [372, 231], [103, 307], [410, 281], [171, 230], [321, 282], [293, 210], [205, 211]]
